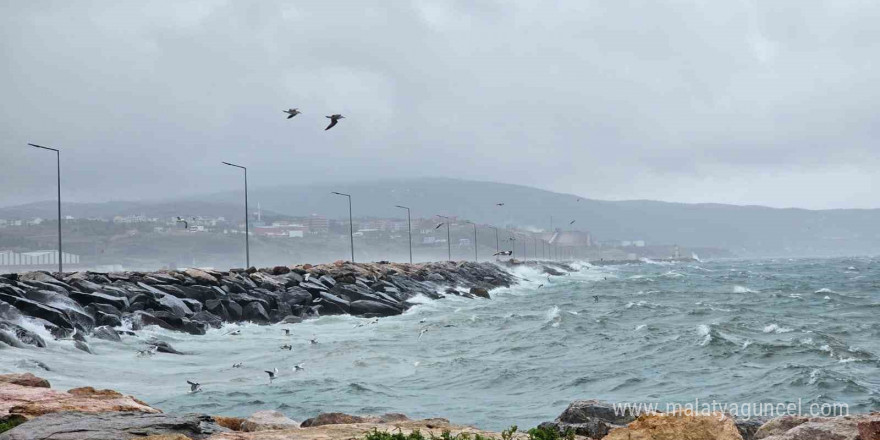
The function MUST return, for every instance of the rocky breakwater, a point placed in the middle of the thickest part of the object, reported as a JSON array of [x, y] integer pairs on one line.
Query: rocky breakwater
[[193, 300]]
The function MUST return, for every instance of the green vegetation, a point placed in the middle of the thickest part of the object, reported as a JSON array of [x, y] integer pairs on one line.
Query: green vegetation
[[12, 422], [538, 433]]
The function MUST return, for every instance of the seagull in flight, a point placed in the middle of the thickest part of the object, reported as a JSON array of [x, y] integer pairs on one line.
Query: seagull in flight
[[287, 347], [272, 374], [286, 331], [292, 112], [237, 365], [596, 298], [333, 120], [502, 253], [235, 332], [298, 367], [499, 204], [185, 223], [571, 222], [313, 341], [438, 226], [540, 286], [422, 332], [194, 387]]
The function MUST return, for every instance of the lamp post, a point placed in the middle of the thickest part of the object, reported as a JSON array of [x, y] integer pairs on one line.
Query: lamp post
[[448, 243], [58, 163], [497, 247], [350, 222], [409, 228], [247, 229], [476, 259]]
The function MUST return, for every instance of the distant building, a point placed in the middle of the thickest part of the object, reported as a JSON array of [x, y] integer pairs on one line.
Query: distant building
[[35, 258], [318, 224]]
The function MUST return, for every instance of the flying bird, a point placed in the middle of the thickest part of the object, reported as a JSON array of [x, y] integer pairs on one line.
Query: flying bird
[[286, 331], [596, 298], [438, 226], [540, 286], [503, 253], [422, 332], [571, 222], [185, 223], [313, 341], [194, 387], [287, 347], [292, 112], [237, 365], [499, 204], [272, 374], [298, 367], [333, 120], [235, 332]]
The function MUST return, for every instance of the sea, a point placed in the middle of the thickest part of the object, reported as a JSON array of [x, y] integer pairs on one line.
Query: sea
[[733, 331]]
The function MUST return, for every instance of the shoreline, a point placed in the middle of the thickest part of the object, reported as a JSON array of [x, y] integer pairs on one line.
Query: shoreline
[[30, 409]]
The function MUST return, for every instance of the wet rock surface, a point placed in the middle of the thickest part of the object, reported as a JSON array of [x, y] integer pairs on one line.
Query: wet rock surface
[[113, 425], [194, 300]]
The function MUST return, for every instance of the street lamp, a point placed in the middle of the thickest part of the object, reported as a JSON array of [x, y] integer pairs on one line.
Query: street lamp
[[409, 227], [350, 222], [476, 260], [58, 162], [448, 243], [247, 229]]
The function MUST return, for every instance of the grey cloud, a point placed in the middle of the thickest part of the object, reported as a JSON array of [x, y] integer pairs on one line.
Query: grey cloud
[[615, 99]]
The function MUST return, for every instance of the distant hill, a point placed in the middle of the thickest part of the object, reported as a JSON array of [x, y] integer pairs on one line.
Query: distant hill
[[745, 230]]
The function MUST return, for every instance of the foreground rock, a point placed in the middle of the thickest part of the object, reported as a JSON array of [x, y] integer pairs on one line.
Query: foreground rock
[[855, 427], [267, 421], [28, 396], [194, 300], [113, 425], [343, 431], [590, 418], [678, 427]]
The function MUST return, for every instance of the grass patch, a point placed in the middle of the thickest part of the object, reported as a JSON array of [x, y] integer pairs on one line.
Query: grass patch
[[6, 425], [538, 433]]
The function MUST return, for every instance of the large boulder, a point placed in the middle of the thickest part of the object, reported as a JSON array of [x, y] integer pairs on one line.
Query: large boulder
[[817, 428], [255, 312], [37, 310], [373, 308], [113, 425], [295, 296], [77, 315], [201, 277], [106, 333], [25, 380], [590, 418], [120, 303], [30, 396], [21, 334], [268, 421], [678, 426], [333, 305]]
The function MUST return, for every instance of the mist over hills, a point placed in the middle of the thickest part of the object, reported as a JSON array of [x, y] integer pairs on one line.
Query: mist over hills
[[744, 230]]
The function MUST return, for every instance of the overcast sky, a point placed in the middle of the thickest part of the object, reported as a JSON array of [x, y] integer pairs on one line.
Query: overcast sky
[[745, 102]]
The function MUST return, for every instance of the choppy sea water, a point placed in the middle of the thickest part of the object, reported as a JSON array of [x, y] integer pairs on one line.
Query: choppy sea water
[[733, 331]]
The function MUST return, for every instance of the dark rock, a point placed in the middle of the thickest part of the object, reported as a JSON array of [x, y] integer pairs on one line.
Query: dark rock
[[291, 319], [106, 333], [235, 310], [194, 305], [590, 418], [280, 270], [113, 425], [332, 419], [100, 298], [208, 318], [74, 312], [327, 281], [35, 309], [108, 320], [216, 307], [868, 430], [333, 305], [291, 279], [163, 347], [435, 277], [8, 338], [140, 319], [83, 346], [373, 308], [748, 427], [480, 292], [94, 308], [22, 334], [254, 311], [175, 305]]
